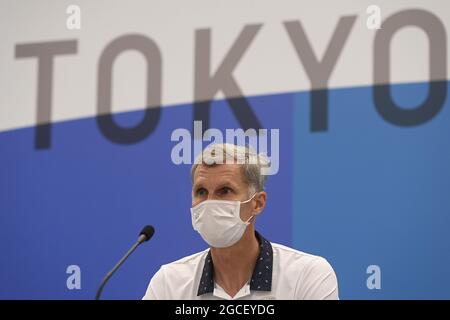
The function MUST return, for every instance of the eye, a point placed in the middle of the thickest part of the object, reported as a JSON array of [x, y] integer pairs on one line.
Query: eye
[[201, 192], [226, 191]]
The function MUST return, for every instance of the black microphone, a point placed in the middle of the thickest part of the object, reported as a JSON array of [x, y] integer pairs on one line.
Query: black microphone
[[145, 235]]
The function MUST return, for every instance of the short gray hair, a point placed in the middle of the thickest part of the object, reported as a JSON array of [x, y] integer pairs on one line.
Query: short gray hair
[[225, 153]]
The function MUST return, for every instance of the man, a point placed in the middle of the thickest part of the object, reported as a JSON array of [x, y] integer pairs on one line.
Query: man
[[227, 196]]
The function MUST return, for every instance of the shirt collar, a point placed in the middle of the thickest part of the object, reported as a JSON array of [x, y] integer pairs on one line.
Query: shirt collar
[[262, 273]]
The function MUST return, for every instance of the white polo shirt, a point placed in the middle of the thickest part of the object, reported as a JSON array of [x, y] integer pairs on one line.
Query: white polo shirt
[[280, 273]]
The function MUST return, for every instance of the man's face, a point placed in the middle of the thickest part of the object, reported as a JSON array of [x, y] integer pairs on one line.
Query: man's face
[[221, 182]]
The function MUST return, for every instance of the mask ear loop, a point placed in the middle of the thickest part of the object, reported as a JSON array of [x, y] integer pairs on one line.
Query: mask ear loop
[[248, 220], [249, 199]]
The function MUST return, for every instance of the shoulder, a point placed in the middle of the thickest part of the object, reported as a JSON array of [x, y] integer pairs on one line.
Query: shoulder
[[291, 255], [168, 281], [314, 276], [185, 263]]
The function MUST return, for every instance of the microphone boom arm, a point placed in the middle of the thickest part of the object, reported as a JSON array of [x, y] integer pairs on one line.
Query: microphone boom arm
[[141, 239]]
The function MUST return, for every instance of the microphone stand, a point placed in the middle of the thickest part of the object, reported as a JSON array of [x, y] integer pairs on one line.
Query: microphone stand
[[141, 239]]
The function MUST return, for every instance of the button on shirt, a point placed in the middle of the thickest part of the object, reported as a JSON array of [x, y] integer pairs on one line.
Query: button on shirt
[[280, 273]]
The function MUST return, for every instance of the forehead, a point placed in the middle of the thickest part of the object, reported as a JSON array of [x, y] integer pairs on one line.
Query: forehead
[[218, 174]]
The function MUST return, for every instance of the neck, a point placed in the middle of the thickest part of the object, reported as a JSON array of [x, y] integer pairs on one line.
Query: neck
[[233, 266]]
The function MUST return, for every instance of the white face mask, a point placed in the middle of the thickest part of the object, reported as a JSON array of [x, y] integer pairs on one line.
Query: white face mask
[[219, 222]]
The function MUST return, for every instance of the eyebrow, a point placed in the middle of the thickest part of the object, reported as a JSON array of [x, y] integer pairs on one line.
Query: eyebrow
[[228, 184], [197, 186]]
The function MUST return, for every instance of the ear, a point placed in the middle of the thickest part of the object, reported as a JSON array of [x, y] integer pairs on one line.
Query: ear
[[260, 202]]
